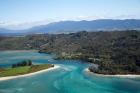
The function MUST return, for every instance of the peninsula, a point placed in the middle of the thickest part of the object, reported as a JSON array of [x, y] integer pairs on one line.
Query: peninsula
[[23, 69]]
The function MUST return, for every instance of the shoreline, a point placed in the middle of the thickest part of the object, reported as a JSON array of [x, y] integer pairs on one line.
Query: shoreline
[[117, 75], [18, 50], [29, 74]]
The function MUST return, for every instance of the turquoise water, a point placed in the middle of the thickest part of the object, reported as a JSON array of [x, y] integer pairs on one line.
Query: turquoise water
[[71, 77]]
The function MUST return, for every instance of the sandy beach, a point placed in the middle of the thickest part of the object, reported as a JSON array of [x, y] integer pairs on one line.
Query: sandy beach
[[30, 74], [121, 76]]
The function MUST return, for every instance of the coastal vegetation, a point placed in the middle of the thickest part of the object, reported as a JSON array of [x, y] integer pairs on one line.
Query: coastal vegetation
[[23, 63], [23, 69], [115, 52]]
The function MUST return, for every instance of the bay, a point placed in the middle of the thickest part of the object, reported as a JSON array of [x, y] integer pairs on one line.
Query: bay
[[71, 77]]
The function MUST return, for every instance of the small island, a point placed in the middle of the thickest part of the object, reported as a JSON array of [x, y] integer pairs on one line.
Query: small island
[[23, 68]]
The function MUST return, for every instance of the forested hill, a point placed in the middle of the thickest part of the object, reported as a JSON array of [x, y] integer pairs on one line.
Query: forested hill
[[116, 52]]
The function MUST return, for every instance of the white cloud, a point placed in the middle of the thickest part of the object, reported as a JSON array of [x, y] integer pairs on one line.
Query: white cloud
[[23, 25], [126, 17], [107, 17]]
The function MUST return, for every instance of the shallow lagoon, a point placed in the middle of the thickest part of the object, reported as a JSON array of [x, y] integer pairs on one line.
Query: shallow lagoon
[[69, 78]]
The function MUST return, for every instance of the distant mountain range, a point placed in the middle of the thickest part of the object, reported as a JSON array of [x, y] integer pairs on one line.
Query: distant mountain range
[[74, 26]]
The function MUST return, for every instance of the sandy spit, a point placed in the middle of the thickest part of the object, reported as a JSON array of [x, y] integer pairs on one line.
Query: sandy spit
[[30, 74], [121, 76]]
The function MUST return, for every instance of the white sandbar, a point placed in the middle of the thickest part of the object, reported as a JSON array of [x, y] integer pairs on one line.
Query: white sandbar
[[117, 75], [29, 74]]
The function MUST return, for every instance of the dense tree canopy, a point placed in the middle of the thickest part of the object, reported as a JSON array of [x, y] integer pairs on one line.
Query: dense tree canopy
[[115, 52]]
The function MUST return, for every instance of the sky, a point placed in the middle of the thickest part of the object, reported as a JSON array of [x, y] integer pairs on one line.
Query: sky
[[27, 13]]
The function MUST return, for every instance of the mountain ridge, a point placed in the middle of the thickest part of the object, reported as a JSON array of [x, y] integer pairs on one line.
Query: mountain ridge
[[83, 25]]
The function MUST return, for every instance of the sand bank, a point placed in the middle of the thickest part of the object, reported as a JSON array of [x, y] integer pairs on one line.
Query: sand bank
[[29, 74], [117, 75]]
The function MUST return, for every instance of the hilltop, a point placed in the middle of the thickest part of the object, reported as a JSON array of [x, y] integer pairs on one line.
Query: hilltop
[[76, 26]]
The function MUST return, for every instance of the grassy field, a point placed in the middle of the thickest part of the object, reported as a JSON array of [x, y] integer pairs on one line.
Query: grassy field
[[23, 70]]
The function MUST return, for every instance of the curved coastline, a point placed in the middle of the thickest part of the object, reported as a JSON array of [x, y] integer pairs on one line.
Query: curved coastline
[[117, 75], [29, 74]]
